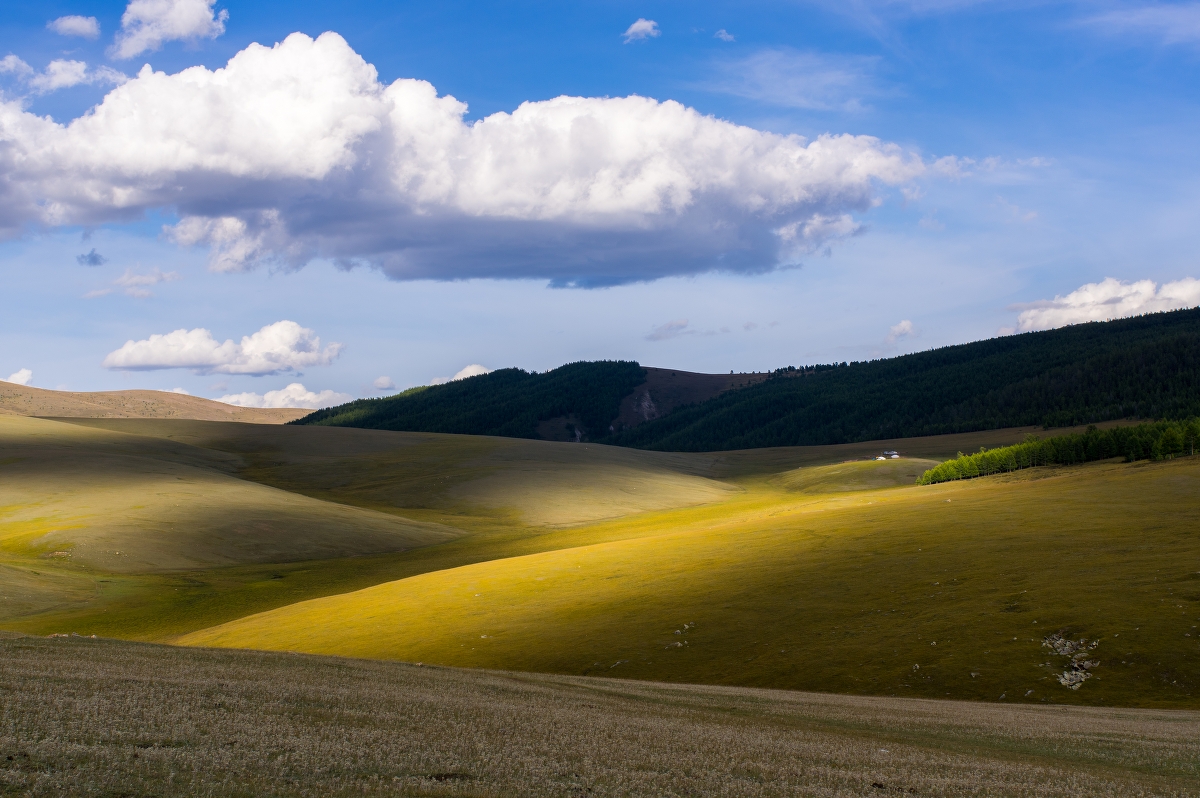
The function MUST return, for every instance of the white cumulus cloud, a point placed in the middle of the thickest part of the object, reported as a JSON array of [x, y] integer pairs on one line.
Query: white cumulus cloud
[[902, 330], [294, 395], [147, 24], [297, 151], [473, 370], [642, 29], [75, 25], [1109, 299], [724, 35], [383, 384], [21, 377], [279, 347]]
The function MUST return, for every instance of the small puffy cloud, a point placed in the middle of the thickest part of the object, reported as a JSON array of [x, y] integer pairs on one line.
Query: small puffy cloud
[[383, 384], [75, 25], [642, 29], [1108, 299], [279, 347], [473, 370], [92, 258], [147, 24], [672, 329], [294, 395], [21, 377], [1169, 23], [794, 79], [902, 330], [60, 74], [583, 191], [179, 391], [723, 35]]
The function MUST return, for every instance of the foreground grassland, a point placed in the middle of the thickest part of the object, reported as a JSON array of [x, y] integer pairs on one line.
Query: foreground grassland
[[88, 717], [796, 568]]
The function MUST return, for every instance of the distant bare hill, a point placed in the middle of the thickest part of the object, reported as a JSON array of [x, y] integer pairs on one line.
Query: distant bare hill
[[21, 400]]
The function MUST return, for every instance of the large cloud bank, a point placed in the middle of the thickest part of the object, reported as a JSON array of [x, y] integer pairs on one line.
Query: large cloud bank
[[276, 348], [1109, 299], [298, 151]]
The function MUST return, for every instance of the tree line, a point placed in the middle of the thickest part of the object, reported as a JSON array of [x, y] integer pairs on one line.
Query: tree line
[[1141, 367], [1153, 441]]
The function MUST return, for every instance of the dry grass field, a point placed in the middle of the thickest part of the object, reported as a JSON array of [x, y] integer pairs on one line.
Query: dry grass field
[[98, 717], [24, 400]]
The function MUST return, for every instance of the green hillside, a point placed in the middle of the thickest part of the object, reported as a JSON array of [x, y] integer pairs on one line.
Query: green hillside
[[1144, 367], [507, 402]]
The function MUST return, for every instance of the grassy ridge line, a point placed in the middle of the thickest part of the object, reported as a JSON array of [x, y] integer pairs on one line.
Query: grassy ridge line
[[507, 402], [1143, 367], [101, 717], [1164, 439], [946, 591]]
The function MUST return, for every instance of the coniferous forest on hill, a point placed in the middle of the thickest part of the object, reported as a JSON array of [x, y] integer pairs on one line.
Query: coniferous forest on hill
[[506, 402], [1146, 367]]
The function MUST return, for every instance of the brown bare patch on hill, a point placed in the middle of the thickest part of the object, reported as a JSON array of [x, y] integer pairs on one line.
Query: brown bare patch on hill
[[666, 389], [22, 400]]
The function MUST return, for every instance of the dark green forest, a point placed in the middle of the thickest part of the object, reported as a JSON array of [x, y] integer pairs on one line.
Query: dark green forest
[[507, 402], [1147, 367], [1159, 440], [1143, 367]]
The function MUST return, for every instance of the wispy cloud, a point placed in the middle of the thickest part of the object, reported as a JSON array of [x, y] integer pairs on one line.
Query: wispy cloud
[[724, 35], [1168, 23], [672, 329], [134, 284], [794, 79]]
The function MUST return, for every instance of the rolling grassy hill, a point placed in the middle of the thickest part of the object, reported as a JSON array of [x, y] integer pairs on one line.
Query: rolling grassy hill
[[941, 591], [23, 400], [1144, 367], [806, 567]]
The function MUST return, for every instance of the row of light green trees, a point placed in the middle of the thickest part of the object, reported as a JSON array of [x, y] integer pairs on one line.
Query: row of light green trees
[[1156, 440]]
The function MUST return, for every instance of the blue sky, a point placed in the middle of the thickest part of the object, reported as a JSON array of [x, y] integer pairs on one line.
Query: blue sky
[[1022, 152]]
